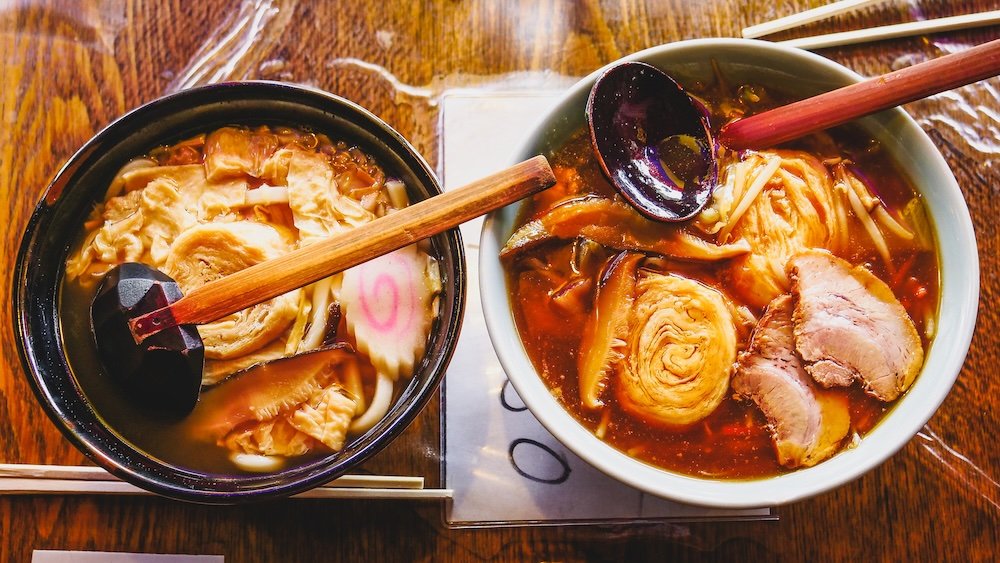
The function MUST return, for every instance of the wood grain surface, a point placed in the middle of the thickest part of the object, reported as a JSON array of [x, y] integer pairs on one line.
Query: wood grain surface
[[69, 68]]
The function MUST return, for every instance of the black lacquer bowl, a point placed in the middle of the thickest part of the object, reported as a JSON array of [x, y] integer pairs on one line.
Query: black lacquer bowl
[[82, 182]]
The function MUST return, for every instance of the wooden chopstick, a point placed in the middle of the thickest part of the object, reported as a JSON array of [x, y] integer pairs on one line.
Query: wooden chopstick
[[93, 473], [981, 19], [21, 478], [35, 486], [309, 263], [806, 17], [914, 82]]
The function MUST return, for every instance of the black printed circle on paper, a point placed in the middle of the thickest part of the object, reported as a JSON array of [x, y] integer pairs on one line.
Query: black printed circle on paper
[[563, 464], [505, 403]]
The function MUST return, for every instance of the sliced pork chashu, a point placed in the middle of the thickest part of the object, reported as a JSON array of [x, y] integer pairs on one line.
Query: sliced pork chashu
[[849, 326], [807, 423]]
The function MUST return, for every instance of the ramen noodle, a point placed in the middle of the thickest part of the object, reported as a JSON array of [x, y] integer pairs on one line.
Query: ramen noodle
[[770, 332]]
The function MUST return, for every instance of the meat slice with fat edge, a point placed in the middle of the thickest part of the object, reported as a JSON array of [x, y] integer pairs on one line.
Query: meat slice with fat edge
[[849, 326], [807, 423]]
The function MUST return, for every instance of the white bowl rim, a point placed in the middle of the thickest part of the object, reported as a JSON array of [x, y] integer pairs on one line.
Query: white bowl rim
[[959, 267]]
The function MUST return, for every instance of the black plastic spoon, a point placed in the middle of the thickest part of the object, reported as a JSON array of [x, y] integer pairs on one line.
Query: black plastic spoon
[[655, 144]]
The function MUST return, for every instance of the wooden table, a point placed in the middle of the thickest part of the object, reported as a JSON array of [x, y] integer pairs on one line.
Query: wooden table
[[69, 69]]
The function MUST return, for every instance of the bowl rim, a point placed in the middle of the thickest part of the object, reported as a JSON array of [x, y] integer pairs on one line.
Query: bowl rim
[[175, 481], [959, 271]]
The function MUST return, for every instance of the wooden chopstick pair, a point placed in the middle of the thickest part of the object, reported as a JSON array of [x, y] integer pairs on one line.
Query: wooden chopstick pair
[[966, 21], [28, 479]]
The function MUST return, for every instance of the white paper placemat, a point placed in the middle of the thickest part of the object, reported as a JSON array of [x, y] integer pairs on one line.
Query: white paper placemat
[[502, 465]]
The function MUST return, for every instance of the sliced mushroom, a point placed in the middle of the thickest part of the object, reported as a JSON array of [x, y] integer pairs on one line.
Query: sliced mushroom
[[615, 225], [282, 407], [606, 329]]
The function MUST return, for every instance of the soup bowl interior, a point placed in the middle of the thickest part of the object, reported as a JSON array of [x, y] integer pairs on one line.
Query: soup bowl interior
[[801, 74], [57, 221]]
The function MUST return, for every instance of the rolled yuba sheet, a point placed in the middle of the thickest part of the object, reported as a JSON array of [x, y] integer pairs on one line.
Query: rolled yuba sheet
[[680, 351]]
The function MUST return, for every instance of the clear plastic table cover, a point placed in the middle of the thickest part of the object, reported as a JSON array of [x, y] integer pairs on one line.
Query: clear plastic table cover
[[248, 44]]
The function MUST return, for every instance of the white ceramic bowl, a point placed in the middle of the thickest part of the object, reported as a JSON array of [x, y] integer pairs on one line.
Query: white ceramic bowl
[[807, 74]]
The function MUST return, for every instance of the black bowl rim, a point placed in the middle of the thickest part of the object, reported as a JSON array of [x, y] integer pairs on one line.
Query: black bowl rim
[[314, 473]]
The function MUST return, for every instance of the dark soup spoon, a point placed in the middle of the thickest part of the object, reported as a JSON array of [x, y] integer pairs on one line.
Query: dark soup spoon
[[655, 144]]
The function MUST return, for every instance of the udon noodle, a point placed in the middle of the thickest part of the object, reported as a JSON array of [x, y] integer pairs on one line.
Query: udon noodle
[[292, 377]]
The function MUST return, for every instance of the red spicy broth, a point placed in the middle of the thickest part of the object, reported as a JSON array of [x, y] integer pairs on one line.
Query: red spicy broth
[[551, 305]]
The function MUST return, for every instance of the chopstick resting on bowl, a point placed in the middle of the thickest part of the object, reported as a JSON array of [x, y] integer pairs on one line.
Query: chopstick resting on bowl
[[29, 479]]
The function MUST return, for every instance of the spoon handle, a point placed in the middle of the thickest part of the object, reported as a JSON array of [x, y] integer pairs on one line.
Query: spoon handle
[[301, 267], [832, 108]]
